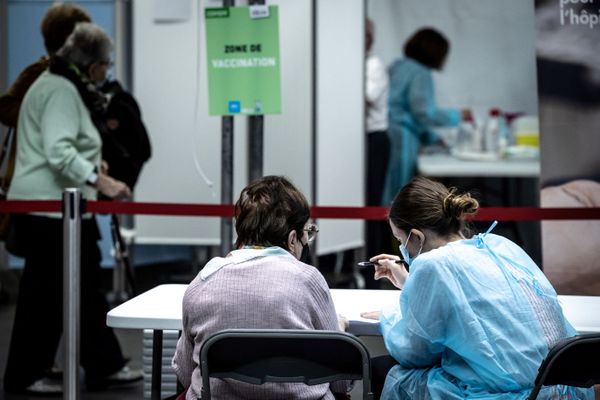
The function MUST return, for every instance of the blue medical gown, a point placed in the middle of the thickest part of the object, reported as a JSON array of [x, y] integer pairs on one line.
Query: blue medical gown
[[476, 319], [413, 113]]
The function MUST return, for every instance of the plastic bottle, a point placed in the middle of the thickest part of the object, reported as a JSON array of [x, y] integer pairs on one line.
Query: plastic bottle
[[491, 133], [477, 139], [466, 137], [503, 137]]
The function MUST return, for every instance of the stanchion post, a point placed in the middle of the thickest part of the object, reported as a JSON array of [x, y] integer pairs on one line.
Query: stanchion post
[[255, 147], [226, 171], [255, 137], [226, 182], [71, 291]]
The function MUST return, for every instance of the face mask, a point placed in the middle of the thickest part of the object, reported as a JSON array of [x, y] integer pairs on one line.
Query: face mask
[[405, 254], [305, 256], [103, 82]]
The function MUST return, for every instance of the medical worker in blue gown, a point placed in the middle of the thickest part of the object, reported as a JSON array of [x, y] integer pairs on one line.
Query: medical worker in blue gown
[[476, 315], [412, 109]]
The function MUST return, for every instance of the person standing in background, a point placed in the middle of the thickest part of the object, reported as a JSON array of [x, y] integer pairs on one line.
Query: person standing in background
[[413, 111], [60, 147], [378, 148], [57, 24]]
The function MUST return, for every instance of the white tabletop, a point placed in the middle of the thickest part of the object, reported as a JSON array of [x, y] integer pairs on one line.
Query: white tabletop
[[445, 165], [160, 308]]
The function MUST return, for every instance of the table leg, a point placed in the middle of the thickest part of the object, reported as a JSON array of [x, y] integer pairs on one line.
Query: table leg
[[157, 344]]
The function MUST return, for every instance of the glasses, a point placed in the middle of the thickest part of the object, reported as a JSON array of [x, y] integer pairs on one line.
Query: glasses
[[106, 63], [311, 230]]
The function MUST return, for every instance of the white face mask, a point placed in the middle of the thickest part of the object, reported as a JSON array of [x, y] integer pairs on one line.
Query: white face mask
[[405, 253]]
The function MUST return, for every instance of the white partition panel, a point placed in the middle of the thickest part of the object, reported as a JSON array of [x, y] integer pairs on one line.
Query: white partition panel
[[340, 119]]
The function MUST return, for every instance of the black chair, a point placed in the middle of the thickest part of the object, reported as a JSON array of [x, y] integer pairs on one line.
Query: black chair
[[574, 361], [257, 356]]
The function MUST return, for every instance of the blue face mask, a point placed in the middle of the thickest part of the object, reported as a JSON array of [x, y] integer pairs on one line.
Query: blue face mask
[[405, 254]]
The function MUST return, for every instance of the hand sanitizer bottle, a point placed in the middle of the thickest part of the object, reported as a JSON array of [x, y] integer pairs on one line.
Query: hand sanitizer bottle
[[491, 133], [466, 137]]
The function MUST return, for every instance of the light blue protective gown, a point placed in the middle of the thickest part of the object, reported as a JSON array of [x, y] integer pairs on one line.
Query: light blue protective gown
[[477, 319], [413, 113]]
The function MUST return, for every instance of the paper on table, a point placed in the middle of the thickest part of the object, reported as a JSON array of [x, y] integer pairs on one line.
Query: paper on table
[[351, 303]]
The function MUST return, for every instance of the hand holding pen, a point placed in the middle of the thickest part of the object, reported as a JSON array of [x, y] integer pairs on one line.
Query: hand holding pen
[[372, 263], [389, 266]]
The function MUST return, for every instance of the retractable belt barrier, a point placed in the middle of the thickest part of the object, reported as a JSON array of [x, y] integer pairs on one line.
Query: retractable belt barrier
[[227, 210], [73, 206]]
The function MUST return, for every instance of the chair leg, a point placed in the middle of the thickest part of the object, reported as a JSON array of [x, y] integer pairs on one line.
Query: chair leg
[[535, 392]]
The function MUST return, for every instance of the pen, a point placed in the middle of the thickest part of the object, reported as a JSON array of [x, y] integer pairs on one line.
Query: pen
[[372, 264]]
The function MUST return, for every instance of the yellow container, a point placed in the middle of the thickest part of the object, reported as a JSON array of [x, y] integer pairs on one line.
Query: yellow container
[[526, 131], [528, 139]]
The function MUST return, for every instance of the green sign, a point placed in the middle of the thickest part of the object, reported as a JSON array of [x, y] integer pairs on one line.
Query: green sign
[[242, 47]]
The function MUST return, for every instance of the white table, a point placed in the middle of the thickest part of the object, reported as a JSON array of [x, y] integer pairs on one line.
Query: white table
[[160, 309], [445, 165]]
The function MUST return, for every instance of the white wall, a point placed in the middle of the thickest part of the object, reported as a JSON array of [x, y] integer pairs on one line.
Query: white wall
[[492, 57], [340, 119], [169, 79]]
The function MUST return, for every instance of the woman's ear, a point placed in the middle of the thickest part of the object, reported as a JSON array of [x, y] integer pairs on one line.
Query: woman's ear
[[91, 69], [291, 241], [420, 235]]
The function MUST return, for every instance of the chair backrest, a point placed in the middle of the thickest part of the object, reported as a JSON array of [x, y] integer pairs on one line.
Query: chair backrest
[[573, 361], [257, 356]]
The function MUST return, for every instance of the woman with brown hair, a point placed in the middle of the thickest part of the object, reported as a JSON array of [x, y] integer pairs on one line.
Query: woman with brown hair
[[264, 283], [476, 316]]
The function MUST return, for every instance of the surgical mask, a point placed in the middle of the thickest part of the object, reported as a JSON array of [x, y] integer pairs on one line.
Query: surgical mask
[[404, 251], [305, 256], [107, 78]]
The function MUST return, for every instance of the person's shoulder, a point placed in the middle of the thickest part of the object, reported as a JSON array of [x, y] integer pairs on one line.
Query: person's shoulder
[[407, 68], [397, 63], [37, 67], [32, 71], [299, 272], [194, 289], [53, 85], [374, 59], [414, 67], [439, 262], [497, 240]]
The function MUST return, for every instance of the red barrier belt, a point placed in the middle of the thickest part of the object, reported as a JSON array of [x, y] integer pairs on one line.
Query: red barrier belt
[[181, 209], [226, 210]]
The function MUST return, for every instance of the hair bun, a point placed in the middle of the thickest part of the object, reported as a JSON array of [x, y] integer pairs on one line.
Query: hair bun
[[456, 206]]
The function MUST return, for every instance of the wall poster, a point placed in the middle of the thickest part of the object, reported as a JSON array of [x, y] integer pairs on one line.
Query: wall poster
[[568, 64], [242, 45]]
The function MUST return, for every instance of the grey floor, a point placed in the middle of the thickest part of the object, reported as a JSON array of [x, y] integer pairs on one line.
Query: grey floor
[[131, 343], [130, 340]]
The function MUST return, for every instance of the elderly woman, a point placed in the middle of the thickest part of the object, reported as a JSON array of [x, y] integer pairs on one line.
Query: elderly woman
[[59, 147], [264, 283]]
